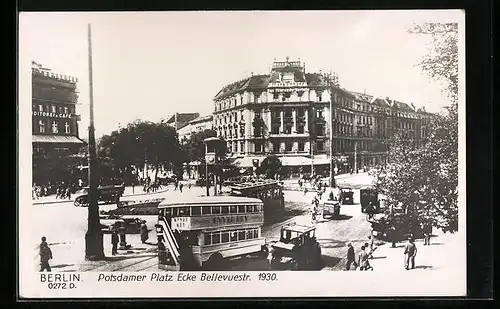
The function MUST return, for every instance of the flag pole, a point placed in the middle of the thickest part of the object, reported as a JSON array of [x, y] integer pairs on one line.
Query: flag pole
[[93, 238]]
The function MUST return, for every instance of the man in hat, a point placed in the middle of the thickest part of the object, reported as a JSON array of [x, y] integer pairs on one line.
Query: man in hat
[[351, 257], [410, 253], [114, 242], [45, 255]]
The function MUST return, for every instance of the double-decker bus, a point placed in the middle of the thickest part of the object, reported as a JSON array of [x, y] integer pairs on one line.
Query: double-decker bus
[[203, 232]]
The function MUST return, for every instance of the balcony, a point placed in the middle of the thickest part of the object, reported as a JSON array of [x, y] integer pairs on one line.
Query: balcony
[[53, 95]]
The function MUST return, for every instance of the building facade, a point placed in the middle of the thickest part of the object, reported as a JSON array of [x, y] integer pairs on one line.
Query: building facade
[[179, 120], [196, 125], [54, 118], [296, 115]]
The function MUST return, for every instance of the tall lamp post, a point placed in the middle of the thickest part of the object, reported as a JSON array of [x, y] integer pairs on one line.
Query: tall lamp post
[[93, 238]]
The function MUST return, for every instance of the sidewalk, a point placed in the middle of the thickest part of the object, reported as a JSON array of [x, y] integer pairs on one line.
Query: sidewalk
[[128, 192], [443, 254]]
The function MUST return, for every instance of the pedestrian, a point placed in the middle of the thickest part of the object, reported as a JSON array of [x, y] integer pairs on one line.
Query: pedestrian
[[144, 232], [410, 253], [45, 255], [68, 193], [180, 187], [162, 251], [114, 242], [363, 259], [176, 185], [371, 242], [189, 185], [368, 250], [351, 257], [427, 229]]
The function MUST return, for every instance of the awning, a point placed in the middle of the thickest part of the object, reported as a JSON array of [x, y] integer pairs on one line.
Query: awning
[[56, 139], [295, 161], [246, 161]]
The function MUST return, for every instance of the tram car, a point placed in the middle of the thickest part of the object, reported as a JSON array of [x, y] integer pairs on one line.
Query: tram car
[[269, 191]]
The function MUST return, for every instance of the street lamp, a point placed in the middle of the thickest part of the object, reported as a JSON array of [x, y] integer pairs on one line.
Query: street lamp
[[93, 238]]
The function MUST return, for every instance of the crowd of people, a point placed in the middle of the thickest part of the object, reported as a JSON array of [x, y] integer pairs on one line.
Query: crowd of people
[[62, 190]]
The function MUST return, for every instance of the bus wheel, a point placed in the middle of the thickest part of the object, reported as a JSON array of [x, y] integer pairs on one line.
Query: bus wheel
[[216, 262]]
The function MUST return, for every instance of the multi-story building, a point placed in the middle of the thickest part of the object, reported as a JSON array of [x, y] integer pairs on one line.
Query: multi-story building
[[54, 117], [295, 115], [196, 125], [179, 120]]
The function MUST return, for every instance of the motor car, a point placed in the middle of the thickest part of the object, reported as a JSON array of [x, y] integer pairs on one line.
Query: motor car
[[331, 209], [297, 249], [114, 222]]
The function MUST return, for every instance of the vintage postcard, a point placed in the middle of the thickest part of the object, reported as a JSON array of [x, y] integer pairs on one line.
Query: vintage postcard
[[241, 154]]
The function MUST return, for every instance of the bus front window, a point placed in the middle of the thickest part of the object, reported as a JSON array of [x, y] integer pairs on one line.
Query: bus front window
[[233, 209], [225, 209], [241, 209], [205, 210], [215, 210], [241, 235]]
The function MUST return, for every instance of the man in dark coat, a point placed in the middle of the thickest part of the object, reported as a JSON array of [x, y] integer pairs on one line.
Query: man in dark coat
[[410, 253], [114, 242], [351, 257], [45, 255], [144, 232]]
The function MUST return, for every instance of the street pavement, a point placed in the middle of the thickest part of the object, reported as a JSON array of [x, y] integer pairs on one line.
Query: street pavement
[[65, 225]]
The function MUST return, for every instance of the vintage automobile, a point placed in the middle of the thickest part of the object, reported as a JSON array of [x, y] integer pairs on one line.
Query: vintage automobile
[[396, 227], [297, 249], [107, 194], [369, 198], [331, 209], [112, 222], [346, 196]]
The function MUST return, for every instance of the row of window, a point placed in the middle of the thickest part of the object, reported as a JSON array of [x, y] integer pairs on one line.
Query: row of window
[[187, 211], [259, 147], [277, 96], [215, 238], [55, 127], [55, 109]]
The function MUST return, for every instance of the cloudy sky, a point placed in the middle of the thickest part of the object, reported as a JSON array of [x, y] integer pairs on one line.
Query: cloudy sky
[[149, 65]]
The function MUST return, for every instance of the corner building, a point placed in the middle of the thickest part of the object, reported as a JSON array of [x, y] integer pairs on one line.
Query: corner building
[[287, 113], [54, 121]]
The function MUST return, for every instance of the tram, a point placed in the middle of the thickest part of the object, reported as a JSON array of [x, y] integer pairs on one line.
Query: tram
[[270, 192], [202, 233]]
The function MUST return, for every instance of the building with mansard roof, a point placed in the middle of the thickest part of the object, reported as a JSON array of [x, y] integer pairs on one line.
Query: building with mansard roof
[[307, 119]]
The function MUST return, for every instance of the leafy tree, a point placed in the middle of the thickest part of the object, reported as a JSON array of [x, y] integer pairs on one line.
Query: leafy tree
[[142, 142], [194, 147], [423, 181], [270, 166]]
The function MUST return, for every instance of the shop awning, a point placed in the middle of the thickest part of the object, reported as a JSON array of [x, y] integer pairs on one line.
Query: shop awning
[[246, 161], [295, 161], [56, 139]]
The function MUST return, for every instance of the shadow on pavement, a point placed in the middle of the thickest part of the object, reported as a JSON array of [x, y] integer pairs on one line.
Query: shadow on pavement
[[330, 261], [437, 244], [378, 257], [331, 243], [423, 267], [341, 217], [62, 265]]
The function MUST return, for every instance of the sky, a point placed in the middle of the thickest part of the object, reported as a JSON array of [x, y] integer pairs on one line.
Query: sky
[[149, 65]]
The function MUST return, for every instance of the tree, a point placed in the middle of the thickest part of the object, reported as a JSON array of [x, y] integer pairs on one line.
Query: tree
[[422, 180], [441, 61], [194, 147], [270, 166], [140, 143]]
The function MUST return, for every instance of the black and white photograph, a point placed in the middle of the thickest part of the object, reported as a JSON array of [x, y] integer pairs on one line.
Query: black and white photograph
[[282, 153]]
